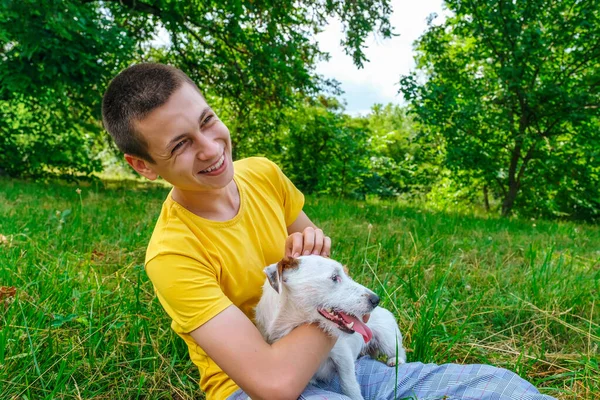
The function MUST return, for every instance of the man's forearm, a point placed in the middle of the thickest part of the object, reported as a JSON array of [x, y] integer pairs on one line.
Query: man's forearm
[[294, 360]]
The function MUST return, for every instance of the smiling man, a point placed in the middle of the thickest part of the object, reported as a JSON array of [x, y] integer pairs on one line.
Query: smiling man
[[219, 226]]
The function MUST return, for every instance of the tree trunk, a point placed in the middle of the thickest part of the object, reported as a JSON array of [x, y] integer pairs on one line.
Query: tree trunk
[[509, 199], [513, 184], [515, 177]]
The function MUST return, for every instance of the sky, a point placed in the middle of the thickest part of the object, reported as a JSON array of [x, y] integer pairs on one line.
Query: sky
[[378, 81]]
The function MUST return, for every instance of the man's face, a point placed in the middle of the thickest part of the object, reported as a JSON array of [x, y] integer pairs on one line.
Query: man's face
[[191, 147]]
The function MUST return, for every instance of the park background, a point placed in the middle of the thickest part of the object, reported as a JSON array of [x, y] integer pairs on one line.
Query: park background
[[470, 205]]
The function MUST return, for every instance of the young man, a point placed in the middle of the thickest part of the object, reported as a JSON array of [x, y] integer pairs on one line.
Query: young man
[[220, 225]]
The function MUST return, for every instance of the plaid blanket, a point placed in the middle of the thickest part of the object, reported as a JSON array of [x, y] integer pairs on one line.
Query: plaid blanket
[[417, 381]]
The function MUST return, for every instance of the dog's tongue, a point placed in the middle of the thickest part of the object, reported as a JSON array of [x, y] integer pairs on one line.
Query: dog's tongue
[[359, 327]]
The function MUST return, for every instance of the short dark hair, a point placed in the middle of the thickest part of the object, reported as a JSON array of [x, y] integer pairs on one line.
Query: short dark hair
[[133, 94]]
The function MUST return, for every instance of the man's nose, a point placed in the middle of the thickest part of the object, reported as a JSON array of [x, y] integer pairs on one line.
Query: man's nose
[[208, 148]]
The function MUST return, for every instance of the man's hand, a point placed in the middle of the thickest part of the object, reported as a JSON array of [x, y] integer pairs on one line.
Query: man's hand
[[309, 241]]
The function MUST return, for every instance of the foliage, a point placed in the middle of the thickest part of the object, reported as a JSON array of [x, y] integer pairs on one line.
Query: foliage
[[28, 146], [513, 88], [324, 151], [402, 161], [58, 56], [55, 59]]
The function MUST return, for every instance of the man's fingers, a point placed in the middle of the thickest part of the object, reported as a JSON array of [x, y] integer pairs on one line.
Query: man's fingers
[[318, 242], [309, 241], [293, 245], [326, 250], [297, 245]]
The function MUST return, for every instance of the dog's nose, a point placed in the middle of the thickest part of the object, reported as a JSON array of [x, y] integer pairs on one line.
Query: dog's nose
[[374, 299]]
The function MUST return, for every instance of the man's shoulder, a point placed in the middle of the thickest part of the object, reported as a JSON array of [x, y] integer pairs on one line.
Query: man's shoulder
[[259, 173], [255, 165], [171, 233]]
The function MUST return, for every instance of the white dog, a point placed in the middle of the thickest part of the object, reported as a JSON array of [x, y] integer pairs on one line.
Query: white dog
[[313, 289]]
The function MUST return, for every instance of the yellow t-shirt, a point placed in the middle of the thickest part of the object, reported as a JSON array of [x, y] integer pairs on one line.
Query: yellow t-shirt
[[200, 267]]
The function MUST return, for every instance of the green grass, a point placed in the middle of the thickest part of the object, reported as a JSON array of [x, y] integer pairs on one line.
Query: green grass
[[84, 322]]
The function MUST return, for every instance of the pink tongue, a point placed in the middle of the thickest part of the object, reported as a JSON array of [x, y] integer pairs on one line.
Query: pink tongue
[[359, 327]]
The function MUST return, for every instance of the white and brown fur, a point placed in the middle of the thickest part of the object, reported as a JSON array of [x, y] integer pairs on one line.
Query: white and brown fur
[[293, 292]]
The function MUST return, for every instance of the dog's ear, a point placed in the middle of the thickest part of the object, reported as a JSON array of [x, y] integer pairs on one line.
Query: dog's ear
[[273, 273], [346, 270]]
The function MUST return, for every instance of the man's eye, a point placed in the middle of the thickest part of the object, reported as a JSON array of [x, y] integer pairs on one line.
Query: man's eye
[[207, 120], [178, 146]]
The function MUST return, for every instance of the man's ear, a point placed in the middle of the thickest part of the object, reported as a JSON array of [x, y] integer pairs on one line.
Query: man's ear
[[273, 273], [143, 167]]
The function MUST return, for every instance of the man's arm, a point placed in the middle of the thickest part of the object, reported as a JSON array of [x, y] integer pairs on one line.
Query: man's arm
[[278, 371], [305, 238]]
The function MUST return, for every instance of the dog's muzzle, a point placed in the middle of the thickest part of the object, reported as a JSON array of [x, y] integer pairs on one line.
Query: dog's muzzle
[[347, 323]]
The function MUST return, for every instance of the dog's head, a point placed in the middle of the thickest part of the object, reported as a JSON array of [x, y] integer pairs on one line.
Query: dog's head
[[320, 288]]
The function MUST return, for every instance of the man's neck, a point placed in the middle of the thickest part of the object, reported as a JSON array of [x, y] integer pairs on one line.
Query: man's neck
[[216, 205]]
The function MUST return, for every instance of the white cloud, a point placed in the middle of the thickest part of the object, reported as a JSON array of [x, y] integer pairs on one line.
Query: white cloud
[[378, 81]]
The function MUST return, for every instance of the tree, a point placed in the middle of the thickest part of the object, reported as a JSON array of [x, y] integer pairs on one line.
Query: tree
[[402, 161], [256, 55], [323, 150], [56, 56], [513, 87]]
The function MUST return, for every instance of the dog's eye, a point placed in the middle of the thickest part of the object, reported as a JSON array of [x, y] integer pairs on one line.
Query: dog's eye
[[336, 278]]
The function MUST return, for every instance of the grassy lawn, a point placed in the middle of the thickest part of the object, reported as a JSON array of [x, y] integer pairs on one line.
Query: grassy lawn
[[84, 322]]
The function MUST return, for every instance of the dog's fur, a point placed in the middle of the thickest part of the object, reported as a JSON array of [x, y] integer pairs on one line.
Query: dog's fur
[[309, 288]]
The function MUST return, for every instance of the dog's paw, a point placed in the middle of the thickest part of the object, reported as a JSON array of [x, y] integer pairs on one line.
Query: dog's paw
[[391, 362]]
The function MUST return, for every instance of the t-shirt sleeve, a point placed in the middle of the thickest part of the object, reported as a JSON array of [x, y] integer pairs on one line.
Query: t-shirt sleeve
[[293, 199], [187, 289]]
